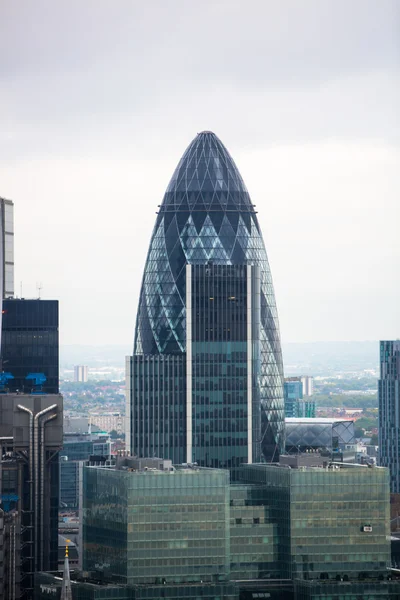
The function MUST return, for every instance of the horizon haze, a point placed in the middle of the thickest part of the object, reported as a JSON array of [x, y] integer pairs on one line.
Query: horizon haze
[[100, 99]]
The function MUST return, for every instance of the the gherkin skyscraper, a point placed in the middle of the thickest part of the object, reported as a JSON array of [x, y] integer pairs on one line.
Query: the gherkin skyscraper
[[205, 382]]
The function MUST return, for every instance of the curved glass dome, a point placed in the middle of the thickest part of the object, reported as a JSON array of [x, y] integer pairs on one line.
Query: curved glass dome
[[206, 217]]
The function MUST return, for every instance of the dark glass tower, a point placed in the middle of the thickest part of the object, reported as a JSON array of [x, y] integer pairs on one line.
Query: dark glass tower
[[205, 383], [30, 344]]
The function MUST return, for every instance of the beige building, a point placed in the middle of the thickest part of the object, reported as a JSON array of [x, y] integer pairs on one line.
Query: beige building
[[109, 421]]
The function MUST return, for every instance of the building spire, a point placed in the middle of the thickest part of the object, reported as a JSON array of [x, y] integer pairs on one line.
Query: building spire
[[66, 591]]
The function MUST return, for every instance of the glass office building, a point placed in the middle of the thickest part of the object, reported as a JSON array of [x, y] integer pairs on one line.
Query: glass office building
[[389, 403], [76, 448], [29, 343], [332, 521], [154, 526], [296, 404], [253, 537], [293, 392], [205, 383]]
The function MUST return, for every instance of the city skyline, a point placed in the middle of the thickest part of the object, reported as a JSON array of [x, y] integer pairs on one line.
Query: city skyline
[[306, 99]]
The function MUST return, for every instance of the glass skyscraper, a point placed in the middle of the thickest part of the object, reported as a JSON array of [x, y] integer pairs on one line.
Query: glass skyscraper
[[389, 406], [29, 344], [205, 382]]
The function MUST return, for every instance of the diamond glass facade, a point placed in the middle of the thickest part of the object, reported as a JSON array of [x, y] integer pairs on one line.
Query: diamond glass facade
[[303, 434], [207, 218]]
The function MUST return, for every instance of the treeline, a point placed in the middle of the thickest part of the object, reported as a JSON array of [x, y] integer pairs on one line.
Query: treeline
[[346, 400]]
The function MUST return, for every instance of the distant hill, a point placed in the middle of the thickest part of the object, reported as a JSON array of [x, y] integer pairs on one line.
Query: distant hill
[[94, 356], [314, 358]]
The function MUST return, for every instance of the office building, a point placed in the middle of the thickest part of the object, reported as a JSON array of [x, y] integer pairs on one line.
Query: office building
[[7, 248], [205, 382], [29, 345], [108, 421], [6, 254], [332, 525], [297, 392], [148, 524], [81, 373], [30, 438], [153, 510], [296, 405], [308, 385], [389, 403], [77, 448], [304, 528]]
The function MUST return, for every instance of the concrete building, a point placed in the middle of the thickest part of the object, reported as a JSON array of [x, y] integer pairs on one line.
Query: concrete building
[[108, 421], [81, 373], [30, 438], [308, 385], [389, 406]]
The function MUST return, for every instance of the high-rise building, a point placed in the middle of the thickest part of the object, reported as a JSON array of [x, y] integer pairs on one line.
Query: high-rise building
[[7, 248], [76, 448], [30, 438], [296, 404], [6, 255], [308, 385], [205, 382], [389, 405], [293, 393], [29, 345], [81, 373]]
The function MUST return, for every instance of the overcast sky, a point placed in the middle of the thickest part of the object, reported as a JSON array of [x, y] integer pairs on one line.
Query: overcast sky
[[99, 99]]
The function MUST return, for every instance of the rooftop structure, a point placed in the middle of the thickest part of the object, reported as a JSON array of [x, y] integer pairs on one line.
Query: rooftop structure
[[304, 434]]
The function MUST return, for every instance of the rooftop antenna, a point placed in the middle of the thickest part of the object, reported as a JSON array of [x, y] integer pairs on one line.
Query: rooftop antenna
[[39, 289], [20, 287]]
